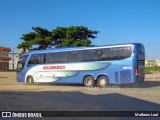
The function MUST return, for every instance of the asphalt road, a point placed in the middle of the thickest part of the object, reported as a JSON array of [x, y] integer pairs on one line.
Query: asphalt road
[[21, 97]]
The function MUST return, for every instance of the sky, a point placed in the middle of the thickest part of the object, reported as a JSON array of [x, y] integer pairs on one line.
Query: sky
[[118, 21]]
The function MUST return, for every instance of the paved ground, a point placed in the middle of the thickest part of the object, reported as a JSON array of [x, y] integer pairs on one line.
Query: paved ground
[[19, 97]]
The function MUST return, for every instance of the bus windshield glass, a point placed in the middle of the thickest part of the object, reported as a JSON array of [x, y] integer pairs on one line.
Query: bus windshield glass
[[21, 63]]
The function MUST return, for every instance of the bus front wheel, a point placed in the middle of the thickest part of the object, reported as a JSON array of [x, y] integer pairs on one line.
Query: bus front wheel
[[102, 81], [30, 80], [88, 81]]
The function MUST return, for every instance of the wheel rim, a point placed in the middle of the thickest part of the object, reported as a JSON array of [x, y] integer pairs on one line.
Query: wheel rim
[[30, 80], [89, 82], [102, 82]]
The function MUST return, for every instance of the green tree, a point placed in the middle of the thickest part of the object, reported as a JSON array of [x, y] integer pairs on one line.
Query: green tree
[[28, 41], [40, 37], [43, 38], [59, 37], [24, 46], [73, 36]]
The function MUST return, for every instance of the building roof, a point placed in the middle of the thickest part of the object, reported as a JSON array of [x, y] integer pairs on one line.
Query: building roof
[[5, 49]]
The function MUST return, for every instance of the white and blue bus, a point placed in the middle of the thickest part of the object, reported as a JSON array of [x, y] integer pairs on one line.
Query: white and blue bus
[[100, 65]]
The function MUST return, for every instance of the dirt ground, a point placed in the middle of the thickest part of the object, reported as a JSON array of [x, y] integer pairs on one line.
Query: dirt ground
[[16, 96]]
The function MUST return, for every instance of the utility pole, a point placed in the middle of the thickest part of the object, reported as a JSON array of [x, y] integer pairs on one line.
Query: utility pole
[[13, 58]]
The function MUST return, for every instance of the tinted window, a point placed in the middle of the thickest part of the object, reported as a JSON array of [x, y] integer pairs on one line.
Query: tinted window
[[56, 57], [108, 54], [36, 59], [75, 56], [104, 54], [90, 55], [49, 57], [60, 57], [123, 52]]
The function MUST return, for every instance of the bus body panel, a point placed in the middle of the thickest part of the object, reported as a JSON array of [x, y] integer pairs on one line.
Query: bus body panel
[[117, 71]]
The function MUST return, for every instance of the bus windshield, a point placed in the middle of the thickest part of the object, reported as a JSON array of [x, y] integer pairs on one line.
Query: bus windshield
[[21, 63]]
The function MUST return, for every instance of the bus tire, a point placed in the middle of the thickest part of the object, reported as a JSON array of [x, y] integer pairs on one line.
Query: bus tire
[[88, 81], [102, 81], [30, 80]]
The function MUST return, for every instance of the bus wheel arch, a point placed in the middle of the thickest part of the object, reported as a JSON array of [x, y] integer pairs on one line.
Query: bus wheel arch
[[30, 79], [102, 81], [88, 81]]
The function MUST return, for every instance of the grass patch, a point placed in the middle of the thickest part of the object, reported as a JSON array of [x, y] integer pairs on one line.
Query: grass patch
[[152, 69]]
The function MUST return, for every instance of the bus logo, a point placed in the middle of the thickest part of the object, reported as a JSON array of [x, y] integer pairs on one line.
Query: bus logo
[[55, 67], [127, 68]]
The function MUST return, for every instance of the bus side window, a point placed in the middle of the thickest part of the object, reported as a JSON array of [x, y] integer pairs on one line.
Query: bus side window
[[36, 59], [75, 56], [60, 57], [49, 58], [90, 55], [108, 54]]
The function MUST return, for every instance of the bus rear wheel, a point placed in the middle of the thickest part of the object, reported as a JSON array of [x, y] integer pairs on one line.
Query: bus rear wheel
[[88, 81], [30, 80], [102, 81]]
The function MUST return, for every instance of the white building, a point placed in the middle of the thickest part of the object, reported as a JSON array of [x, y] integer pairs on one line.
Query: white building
[[14, 57], [152, 63]]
